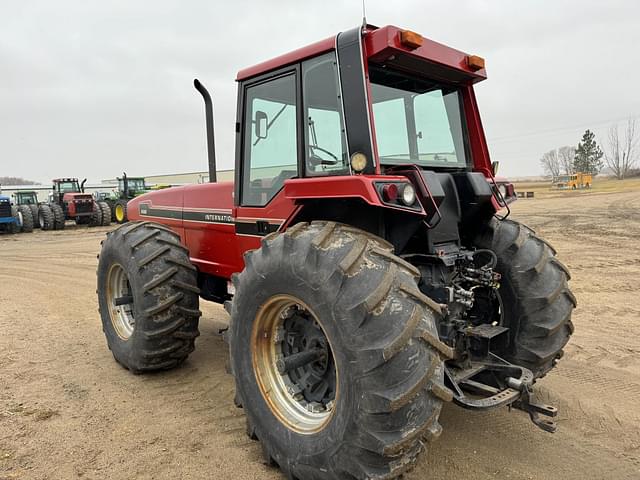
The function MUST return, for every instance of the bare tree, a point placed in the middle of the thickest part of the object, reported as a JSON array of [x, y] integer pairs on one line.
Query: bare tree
[[567, 155], [551, 163], [622, 154]]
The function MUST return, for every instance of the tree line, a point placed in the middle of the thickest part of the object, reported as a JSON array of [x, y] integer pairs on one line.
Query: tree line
[[16, 181], [620, 154]]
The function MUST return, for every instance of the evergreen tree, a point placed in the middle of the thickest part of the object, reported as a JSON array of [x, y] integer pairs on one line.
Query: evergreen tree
[[588, 157]]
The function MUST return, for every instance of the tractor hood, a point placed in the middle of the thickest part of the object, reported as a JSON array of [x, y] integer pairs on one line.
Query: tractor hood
[[77, 197]]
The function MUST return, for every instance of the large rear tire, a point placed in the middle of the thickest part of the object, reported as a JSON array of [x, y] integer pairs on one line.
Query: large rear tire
[[535, 295], [373, 389], [105, 211], [58, 215], [145, 267], [46, 219], [27, 218], [34, 213], [95, 220]]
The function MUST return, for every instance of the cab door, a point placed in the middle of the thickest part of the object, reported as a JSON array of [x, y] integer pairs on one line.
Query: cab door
[[269, 154]]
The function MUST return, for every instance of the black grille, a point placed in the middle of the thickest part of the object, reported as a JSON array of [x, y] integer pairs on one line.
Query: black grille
[[5, 209], [84, 207]]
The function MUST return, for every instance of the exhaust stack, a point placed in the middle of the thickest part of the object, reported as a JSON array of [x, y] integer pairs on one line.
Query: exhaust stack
[[208, 110]]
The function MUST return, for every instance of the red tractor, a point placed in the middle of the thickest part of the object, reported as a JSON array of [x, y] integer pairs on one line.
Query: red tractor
[[363, 253], [68, 201]]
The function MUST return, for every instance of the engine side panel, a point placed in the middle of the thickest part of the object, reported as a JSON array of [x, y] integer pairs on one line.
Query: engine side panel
[[204, 217]]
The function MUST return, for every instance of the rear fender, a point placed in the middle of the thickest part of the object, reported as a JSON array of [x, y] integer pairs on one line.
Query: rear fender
[[361, 187], [354, 201]]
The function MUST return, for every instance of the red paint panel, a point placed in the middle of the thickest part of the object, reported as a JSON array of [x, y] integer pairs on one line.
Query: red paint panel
[[385, 41], [168, 197], [355, 186], [288, 58], [212, 246], [477, 140]]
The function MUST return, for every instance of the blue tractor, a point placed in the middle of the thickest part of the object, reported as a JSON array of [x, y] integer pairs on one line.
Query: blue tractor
[[10, 218], [15, 218]]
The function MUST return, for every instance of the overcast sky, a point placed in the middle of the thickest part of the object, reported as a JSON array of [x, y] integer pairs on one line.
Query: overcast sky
[[92, 88]]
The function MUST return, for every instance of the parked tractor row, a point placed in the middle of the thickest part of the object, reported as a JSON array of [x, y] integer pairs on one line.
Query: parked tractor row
[[67, 201]]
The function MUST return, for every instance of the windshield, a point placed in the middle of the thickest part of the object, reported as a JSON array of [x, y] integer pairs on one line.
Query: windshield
[[27, 199], [68, 187], [135, 184], [417, 121]]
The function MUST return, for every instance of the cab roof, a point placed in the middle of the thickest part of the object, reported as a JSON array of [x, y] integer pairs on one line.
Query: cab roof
[[384, 45]]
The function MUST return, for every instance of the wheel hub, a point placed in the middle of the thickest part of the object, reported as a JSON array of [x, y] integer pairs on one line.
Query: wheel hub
[[294, 364], [120, 302]]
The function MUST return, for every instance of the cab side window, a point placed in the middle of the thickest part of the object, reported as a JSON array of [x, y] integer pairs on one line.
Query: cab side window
[[325, 142], [270, 139]]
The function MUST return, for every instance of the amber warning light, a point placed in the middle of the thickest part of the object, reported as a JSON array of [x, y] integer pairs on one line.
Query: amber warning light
[[410, 39], [475, 62]]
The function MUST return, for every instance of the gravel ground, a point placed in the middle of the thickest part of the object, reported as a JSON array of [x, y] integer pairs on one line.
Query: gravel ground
[[67, 410]]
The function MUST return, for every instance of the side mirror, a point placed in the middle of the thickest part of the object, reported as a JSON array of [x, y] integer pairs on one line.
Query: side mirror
[[494, 168], [261, 124]]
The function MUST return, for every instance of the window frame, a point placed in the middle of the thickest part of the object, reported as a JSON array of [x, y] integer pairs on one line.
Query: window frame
[[341, 115], [468, 153], [242, 125]]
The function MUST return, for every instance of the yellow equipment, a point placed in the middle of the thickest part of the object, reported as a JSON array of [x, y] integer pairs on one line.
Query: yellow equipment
[[574, 181]]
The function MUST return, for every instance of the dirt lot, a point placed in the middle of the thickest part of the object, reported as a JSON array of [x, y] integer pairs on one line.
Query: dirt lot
[[67, 410]]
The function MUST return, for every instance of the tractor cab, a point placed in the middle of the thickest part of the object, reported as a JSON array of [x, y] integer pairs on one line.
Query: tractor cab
[[130, 187], [26, 198], [65, 188]]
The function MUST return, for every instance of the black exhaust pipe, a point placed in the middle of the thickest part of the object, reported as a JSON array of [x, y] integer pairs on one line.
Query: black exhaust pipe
[[208, 110], [82, 185]]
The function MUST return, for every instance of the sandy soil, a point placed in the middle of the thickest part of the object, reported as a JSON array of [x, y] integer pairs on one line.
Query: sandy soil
[[67, 410]]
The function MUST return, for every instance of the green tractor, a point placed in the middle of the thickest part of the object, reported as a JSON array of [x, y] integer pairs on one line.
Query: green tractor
[[128, 188], [28, 200]]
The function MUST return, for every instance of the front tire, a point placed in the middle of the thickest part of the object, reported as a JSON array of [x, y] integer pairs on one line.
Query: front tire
[[16, 225], [120, 211], [362, 408], [148, 297], [27, 218], [34, 213], [105, 211], [46, 219], [535, 295], [58, 215]]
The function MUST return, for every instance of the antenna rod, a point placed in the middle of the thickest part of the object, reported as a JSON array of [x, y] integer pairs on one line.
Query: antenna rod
[[364, 14]]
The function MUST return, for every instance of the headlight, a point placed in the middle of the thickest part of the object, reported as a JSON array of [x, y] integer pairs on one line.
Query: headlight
[[408, 195], [358, 162]]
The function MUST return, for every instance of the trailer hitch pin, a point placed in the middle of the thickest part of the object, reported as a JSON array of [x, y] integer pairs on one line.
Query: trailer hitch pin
[[526, 404]]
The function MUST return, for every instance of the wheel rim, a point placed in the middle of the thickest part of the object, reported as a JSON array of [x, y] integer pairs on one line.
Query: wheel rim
[[120, 302], [119, 213], [294, 364]]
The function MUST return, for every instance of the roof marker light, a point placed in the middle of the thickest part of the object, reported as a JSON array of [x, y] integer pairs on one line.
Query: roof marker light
[[475, 62], [410, 39]]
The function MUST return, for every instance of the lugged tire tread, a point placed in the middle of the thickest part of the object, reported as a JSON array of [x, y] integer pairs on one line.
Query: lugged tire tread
[[396, 392], [169, 295], [543, 302]]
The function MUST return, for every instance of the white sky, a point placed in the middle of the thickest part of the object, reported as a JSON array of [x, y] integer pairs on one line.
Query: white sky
[[92, 88]]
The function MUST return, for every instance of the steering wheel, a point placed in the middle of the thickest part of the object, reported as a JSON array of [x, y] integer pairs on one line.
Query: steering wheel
[[315, 160]]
